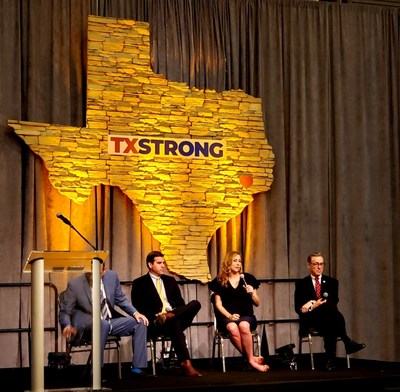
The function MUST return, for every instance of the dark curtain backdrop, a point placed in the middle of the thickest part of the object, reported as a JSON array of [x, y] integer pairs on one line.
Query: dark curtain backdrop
[[328, 76]]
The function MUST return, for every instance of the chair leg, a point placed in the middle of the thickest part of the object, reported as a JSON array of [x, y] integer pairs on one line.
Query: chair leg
[[119, 362], [153, 356], [88, 367], [216, 347], [311, 351], [309, 336], [166, 352], [258, 344], [300, 344], [223, 355], [348, 361], [213, 349], [218, 343]]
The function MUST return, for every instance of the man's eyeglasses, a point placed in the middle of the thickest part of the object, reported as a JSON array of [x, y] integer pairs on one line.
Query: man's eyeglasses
[[318, 264]]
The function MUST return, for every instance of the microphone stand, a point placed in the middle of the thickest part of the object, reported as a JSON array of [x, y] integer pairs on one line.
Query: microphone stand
[[87, 241]]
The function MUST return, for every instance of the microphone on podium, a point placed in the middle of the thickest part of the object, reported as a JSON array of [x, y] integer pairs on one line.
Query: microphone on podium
[[67, 222], [64, 219]]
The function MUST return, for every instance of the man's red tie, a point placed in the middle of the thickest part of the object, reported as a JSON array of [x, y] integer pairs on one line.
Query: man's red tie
[[318, 287]]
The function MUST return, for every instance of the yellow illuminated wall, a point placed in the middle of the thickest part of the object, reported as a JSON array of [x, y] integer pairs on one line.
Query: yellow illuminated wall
[[182, 201]]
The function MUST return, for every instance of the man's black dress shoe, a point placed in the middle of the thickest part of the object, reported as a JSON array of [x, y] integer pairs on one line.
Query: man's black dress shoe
[[330, 365], [352, 347]]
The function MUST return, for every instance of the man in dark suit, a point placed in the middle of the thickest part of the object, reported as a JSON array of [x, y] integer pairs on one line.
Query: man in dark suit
[[317, 308], [76, 316], [167, 312]]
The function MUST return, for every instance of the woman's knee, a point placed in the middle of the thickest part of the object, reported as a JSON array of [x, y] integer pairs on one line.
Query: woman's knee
[[232, 328], [244, 326]]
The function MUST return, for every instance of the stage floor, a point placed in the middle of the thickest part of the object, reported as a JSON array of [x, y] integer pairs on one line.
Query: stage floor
[[364, 374]]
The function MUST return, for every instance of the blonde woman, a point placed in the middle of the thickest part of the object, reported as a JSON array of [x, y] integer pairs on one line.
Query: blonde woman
[[235, 295]]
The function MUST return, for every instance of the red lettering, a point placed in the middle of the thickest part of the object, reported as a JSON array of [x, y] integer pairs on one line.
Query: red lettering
[[117, 143], [130, 146]]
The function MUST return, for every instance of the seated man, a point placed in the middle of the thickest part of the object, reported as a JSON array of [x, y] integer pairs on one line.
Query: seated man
[[316, 297], [76, 315], [158, 296]]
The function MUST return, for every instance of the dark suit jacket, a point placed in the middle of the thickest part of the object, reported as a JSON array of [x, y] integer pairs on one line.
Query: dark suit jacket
[[325, 318], [304, 292], [146, 300]]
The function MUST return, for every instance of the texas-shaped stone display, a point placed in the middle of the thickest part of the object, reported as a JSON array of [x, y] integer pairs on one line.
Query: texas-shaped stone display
[[189, 159]]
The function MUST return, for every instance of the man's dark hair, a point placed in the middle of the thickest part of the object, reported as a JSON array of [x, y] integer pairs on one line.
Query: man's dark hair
[[152, 255]]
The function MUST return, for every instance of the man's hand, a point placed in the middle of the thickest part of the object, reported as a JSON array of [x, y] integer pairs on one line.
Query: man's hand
[[141, 318], [69, 332], [319, 302], [311, 305], [307, 306]]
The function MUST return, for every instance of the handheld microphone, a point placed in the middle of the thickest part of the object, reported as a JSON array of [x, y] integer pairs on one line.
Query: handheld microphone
[[245, 283], [325, 295], [64, 219]]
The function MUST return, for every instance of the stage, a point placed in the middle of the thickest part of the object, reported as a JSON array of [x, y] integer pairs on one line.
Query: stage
[[364, 374]]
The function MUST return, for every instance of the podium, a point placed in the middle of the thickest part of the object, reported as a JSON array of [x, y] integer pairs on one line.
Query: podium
[[39, 262]]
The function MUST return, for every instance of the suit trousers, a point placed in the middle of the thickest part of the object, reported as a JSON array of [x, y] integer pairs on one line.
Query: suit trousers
[[175, 327], [127, 326], [331, 325]]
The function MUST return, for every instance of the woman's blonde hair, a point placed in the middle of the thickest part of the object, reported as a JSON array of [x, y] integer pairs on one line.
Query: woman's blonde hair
[[223, 276]]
